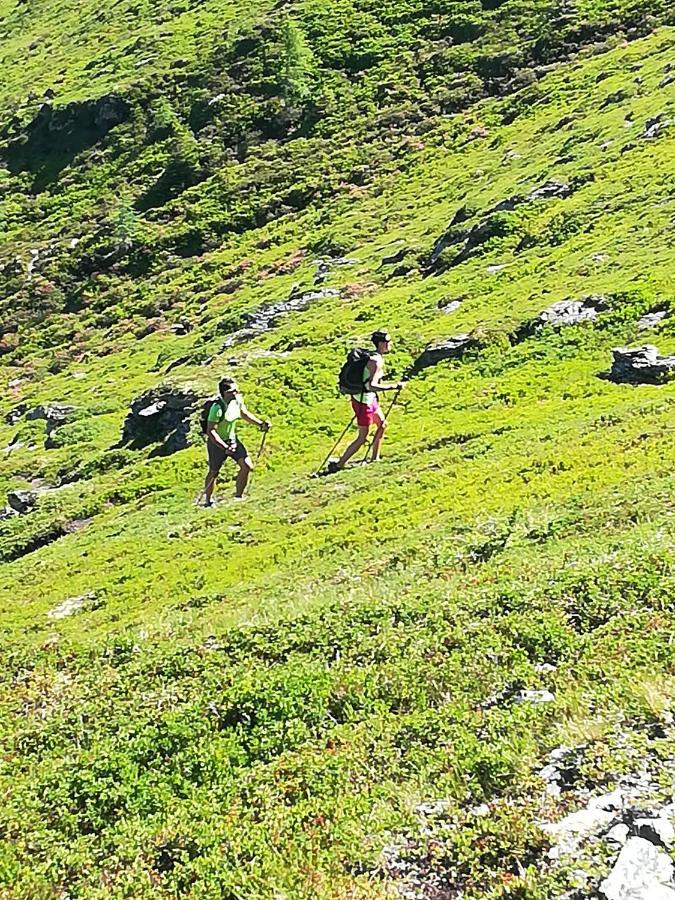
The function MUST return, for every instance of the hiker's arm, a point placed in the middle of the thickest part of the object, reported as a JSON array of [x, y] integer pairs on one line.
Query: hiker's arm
[[212, 435], [375, 383], [254, 420]]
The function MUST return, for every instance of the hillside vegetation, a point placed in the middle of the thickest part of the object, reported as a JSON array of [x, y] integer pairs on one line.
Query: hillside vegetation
[[346, 687]]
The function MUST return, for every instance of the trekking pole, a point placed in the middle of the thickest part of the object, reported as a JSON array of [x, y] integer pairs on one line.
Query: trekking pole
[[386, 416], [333, 448], [262, 445]]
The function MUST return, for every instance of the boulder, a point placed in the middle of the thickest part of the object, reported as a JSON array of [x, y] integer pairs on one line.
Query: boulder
[[21, 501], [452, 348], [641, 365], [161, 416], [651, 320], [14, 415], [55, 414], [642, 872], [550, 190]]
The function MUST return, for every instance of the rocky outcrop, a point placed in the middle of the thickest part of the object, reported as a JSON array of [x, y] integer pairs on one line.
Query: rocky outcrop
[[451, 348], [492, 224], [161, 416], [60, 132], [266, 317], [642, 872], [641, 365], [21, 501], [563, 314], [651, 319], [54, 414]]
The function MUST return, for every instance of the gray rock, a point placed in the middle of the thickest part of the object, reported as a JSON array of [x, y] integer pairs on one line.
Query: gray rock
[[451, 306], [54, 414], [658, 828], [641, 365], [575, 828], [527, 696], [618, 834], [452, 348], [642, 872], [550, 190], [161, 416], [656, 126], [71, 605], [14, 415], [651, 320], [571, 312], [266, 317], [21, 501]]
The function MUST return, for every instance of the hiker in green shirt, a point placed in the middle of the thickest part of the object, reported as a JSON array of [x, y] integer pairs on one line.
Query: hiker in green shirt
[[221, 440]]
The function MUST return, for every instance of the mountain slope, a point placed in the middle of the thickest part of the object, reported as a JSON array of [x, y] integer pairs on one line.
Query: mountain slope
[[253, 701]]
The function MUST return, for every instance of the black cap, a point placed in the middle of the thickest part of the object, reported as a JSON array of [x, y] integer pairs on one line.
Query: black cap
[[378, 336]]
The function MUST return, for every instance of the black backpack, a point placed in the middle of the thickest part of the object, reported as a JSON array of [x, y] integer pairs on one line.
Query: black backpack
[[352, 379], [206, 409]]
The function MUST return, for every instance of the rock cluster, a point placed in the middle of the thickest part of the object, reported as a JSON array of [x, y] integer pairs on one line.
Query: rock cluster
[[641, 365], [161, 416], [451, 348], [266, 317]]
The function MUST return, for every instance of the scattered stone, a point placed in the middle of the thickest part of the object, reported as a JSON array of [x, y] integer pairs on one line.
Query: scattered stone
[[492, 270], [545, 668], [55, 414], [642, 872], [564, 313], [656, 126], [448, 307], [452, 348], [160, 416], [550, 190], [181, 328], [528, 696], [324, 266], [576, 827], [21, 501], [651, 320], [267, 316], [14, 415], [434, 809], [491, 225], [7, 513], [70, 606], [641, 365]]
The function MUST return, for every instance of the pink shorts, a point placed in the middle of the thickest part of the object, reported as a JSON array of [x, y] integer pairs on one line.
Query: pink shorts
[[366, 413]]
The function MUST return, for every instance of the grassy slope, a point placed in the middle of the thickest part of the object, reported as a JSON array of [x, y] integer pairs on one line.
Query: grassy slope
[[262, 693]]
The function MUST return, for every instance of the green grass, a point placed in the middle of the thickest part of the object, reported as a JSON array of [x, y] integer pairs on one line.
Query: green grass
[[254, 698]]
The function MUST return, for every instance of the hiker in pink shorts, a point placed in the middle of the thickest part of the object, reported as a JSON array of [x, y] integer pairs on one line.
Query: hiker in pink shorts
[[365, 405]]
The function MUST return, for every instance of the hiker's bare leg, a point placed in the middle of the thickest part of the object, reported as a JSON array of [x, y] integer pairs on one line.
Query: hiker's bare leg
[[245, 467], [379, 434], [209, 485], [355, 445]]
